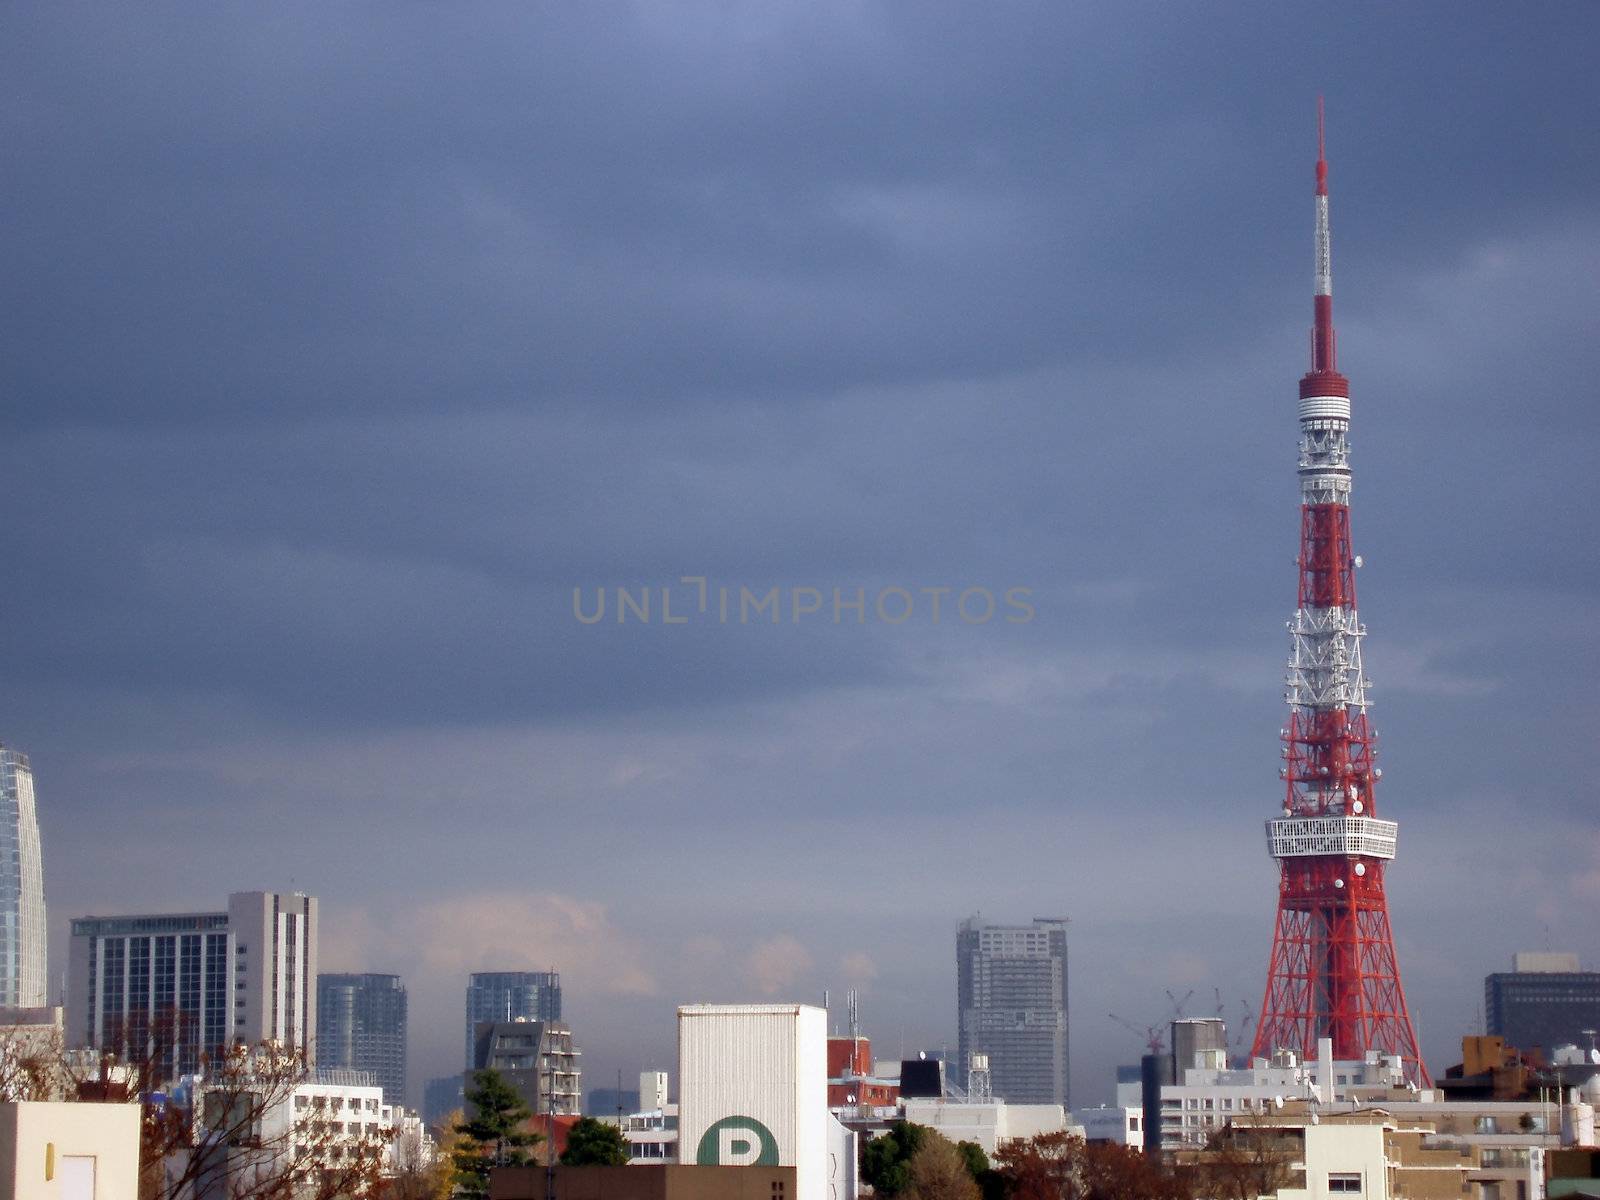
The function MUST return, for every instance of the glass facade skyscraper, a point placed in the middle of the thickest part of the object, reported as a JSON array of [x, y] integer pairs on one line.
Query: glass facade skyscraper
[[1544, 1002], [510, 996], [23, 971], [361, 1025]]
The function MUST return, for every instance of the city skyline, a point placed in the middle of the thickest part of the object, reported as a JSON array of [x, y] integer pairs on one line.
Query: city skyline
[[340, 360]]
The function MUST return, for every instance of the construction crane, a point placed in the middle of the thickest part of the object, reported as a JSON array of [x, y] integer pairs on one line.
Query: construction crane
[[1154, 1036]]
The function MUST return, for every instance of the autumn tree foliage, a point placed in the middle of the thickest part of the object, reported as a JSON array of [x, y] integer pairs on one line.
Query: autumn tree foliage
[[1244, 1160], [1062, 1166], [939, 1171]]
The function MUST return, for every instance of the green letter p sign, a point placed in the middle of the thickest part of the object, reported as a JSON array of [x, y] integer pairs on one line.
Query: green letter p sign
[[737, 1142]]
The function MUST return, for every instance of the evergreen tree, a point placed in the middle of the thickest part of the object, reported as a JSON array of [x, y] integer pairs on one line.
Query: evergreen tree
[[496, 1136], [886, 1159], [592, 1143]]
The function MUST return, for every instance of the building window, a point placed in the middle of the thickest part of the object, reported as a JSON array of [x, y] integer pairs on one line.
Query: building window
[[1347, 1184]]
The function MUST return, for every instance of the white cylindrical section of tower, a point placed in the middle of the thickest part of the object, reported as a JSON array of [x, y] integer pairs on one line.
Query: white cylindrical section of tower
[[1325, 408], [1324, 286]]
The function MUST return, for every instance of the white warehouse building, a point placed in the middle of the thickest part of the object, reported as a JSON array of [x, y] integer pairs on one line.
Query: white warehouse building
[[753, 1091]]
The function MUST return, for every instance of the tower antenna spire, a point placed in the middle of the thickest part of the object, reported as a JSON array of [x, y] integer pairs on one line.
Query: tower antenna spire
[[1322, 153], [1323, 349]]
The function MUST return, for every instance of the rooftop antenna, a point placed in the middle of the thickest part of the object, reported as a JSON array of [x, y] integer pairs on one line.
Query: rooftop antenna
[[853, 999], [1322, 153]]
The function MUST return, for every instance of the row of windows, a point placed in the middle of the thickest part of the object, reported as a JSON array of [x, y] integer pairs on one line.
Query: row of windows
[[337, 1103]]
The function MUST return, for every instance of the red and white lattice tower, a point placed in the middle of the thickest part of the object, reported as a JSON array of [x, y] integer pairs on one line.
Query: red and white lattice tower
[[1333, 972]]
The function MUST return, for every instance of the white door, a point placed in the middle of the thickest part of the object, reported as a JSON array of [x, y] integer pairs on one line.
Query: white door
[[77, 1177]]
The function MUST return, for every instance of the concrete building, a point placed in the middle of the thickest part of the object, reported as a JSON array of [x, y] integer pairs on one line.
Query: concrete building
[[1544, 1001], [1203, 1099], [990, 1123], [1121, 1125], [55, 1151], [361, 1026], [1011, 983], [852, 1084], [1488, 1150], [1300, 1154], [652, 1089], [652, 1135], [329, 1121], [1199, 1042], [651, 1130], [193, 983], [536, 1058], [510, 996], [23, 971]]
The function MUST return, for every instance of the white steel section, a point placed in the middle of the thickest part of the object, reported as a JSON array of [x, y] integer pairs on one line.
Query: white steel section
[[1324, 456], [1325, 660], [1324, 285], [1309, 837], [764, 1063], [1314, 408]]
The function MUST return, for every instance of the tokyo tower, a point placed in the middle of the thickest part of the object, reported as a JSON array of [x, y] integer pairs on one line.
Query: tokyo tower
[[1333, 972]]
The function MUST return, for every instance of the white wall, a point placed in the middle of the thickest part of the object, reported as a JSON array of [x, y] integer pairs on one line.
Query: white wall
[[1343, 1150], [758, 1067], [33, 1135]]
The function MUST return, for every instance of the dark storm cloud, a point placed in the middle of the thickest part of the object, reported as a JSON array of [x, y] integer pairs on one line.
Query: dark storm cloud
[[340, 344], [337, 212]]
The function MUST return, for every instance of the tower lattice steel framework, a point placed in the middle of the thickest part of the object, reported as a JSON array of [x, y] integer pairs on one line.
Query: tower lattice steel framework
[[1333, 972]]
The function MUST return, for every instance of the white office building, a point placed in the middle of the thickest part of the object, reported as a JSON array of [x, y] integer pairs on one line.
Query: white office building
[[187, 984]]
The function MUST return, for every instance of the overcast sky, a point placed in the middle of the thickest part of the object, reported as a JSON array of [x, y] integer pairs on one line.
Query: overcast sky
[[343, 342]]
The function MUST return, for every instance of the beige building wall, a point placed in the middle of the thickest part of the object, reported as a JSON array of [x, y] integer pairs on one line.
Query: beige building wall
[[69, 1151]]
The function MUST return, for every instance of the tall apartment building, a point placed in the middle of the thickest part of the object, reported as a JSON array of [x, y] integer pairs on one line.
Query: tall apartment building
[[1011, 985], [22, 927], [361, 1025], [536, 1058], [1543, 1001], [176, 985], [510, 996]]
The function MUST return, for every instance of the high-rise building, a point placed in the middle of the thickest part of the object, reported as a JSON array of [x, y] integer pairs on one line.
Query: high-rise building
[[22, 926], [510, 996], [176, 985], [441, 1097], [1333, 971], [361, 1024], [1011, 985], [535, 1058], [1544, 1001]]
